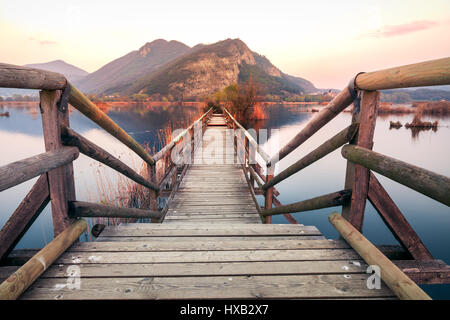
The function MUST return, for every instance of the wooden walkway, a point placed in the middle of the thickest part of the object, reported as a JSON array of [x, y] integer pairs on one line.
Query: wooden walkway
[[211, 245]]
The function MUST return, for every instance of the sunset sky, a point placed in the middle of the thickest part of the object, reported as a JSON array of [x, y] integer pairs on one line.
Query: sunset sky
[[326, 42]]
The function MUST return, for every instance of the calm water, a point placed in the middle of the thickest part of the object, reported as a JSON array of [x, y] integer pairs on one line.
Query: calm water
[[21, 136]]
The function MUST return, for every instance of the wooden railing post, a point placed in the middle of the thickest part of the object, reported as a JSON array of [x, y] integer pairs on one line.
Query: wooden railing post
[[357, 177], [268, 194], [152, 194], [60, 180]]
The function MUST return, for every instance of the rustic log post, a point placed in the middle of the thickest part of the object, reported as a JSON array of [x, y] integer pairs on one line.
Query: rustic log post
[[60, 180], [268, 195], [152, 194], [394, 278], [358, 178]]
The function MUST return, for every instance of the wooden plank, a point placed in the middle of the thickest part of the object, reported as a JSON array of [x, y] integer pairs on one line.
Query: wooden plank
[[203, 245], [207, 256], [431, 184], [205, 238], [24, 216], [210, 269], [23, 170], [12, 76], [263, 229], [239, 287], [425, 271], [395, 221], [70, 137]]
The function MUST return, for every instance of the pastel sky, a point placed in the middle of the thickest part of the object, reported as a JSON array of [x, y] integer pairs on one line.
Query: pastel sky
[[326, 42]]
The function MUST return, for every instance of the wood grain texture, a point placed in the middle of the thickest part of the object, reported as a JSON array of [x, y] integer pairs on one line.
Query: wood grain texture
[[23, 170], [364, 138], [60, 187], [428, 73], [12, 76], [394, 278], [431, 184], [88, 148], [24, 216], [395, 221]]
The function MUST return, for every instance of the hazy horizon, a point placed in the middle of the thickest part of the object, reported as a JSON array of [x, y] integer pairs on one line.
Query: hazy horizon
[[325, 42]]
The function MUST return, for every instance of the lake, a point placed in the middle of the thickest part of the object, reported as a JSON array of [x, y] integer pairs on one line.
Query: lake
[[21, 137]]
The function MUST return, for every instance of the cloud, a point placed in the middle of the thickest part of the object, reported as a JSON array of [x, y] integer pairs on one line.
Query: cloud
[[388, 31], [43, 42]]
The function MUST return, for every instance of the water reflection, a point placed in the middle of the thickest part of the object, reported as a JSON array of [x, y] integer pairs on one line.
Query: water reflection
[[21, 136]]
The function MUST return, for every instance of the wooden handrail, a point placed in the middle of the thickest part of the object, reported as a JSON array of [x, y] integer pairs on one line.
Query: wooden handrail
[[20, 171], [95, 210], [327, 147], [12, 76], [333, 108], [160, 154], [251, 140], [19, 281], [428, 73], [328, 200], [394, 278], [431, 184], [93, 151], [80, 102]]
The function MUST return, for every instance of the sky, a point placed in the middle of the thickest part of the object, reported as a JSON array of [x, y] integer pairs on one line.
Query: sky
[[326, 42]]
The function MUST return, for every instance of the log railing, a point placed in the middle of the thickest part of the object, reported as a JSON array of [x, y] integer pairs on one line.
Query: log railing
[[356, 142], [63, 145]]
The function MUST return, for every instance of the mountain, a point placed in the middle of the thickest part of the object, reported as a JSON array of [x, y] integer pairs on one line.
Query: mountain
[[208, 68], [71, 72], [134, 65]]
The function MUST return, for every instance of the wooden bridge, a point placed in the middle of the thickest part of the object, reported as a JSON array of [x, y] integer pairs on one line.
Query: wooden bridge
[[212, 239]]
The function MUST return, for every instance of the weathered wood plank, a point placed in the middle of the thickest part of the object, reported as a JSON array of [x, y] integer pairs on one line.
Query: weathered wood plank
[[199, 245], [207, 256], [198, 238], [305, 286], [209, 269]]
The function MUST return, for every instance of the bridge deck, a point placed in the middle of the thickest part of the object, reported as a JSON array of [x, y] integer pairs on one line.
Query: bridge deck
[[211, 245]]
